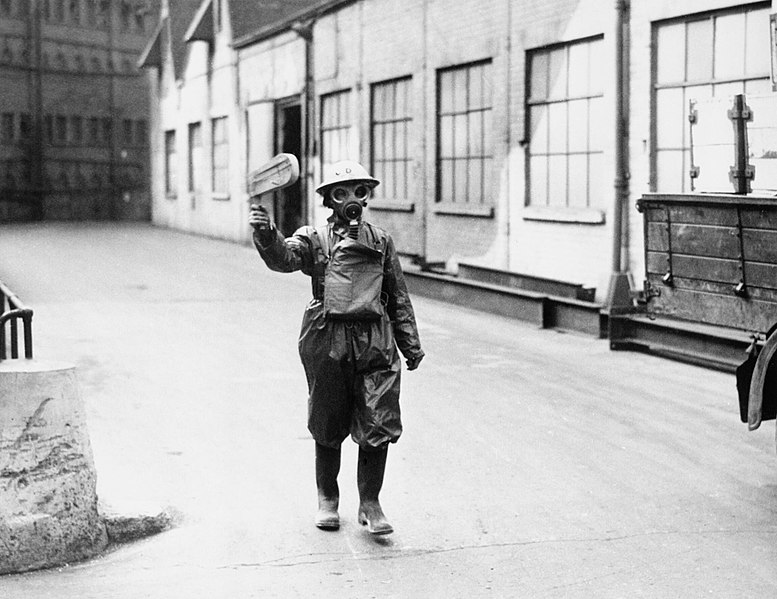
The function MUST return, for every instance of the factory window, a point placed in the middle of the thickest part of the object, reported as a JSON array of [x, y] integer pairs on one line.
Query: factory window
[[336, 127], [61, 129], [711, 55], [141, 132], [107, 131], [75, 11], [195, 157], [59, 10], [565, 120], [464, 141], [171, 166], [5, 8], [7, 128], [126, 132], [48, 128], [220, 155], [94, 131], [25, 127], [77, 130], [91, 12], [126, 16], [391, 120]]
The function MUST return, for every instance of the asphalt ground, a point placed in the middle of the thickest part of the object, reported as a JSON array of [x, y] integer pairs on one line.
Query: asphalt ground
[[533, 464]]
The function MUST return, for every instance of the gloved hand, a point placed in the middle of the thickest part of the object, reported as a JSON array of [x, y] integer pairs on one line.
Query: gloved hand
[[412, 363], [259, 219]]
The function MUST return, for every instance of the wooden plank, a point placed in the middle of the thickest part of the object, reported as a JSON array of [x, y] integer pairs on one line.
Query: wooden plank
[[712, 308], [703, 215], [695, 267], [760, 218], [657, 238], [713, 269], [700, 240], [760, 245], [724, 288]]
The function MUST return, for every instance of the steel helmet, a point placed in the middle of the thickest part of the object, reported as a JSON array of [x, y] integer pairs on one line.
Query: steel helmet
[[343, 172]]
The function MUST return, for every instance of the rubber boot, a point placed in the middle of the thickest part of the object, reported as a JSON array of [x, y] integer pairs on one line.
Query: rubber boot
[[327, 469], [369, 475]]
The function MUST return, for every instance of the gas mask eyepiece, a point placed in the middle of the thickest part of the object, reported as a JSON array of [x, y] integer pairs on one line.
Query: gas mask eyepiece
[[349, 201]]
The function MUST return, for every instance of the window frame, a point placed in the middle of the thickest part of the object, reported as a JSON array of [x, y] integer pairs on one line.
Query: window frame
[[397, 123], [195, 158], [223, 145], [171, 164], [484, 207], [343, 126], [545, 103], [657, 87]]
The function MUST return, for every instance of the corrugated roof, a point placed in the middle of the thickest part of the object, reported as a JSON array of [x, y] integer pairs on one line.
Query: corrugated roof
[[255, 19]]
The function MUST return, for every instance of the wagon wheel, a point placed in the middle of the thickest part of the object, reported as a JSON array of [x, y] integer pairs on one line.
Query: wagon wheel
[[755, 400]]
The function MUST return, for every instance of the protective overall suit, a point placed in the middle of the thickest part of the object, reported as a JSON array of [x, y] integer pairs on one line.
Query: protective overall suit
[[360, 312]]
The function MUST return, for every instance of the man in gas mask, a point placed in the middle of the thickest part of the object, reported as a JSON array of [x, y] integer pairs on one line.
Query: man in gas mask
[[359, 314]]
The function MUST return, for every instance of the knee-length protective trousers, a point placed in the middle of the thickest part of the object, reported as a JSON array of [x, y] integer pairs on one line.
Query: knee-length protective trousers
[[353, 372]]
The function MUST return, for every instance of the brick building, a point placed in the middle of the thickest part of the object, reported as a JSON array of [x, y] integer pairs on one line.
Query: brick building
[[74, 125], [492, 126]]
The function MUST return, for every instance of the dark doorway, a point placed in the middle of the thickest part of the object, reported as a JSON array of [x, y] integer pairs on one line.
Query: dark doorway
[[289, 205]]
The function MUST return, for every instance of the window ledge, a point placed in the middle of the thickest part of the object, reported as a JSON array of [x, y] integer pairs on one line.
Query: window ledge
[[392, 205], [478, 210], [221, 197], [560, 214]]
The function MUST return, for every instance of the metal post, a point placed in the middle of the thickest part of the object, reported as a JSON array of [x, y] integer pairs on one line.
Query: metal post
[[619, 293]]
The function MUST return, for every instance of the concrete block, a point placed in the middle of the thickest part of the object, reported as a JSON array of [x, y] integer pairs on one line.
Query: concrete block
[[48, 499]]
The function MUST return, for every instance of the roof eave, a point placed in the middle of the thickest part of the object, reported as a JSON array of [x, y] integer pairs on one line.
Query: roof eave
[[265, 32]]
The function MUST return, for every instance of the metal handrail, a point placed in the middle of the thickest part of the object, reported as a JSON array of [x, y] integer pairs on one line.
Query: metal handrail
[[17, 310]]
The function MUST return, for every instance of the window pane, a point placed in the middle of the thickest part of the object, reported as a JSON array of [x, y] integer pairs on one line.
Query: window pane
[[460, 135], [460, 90], [476, 99], [557, 131], [699, 50], [446, 91], [729, 46], [538, 123], [723, 90], [446, 137], [460, 176], [757, 45], [558, 74], [400, 98], [671, 50], [557, 181], [475, 134], [539, 76], [578, 180], [698, 92], [578, 125], [475, 187], [669, 171], [390, 99], [670, 118], [538, 179], [596, 182], [579, 71], [597, 68], [446, 180], [488, 133], [758, 86], [378, 151], [597, 128]]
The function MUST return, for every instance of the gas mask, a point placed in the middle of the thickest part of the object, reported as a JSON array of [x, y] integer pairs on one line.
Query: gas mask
[[348, 202]]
